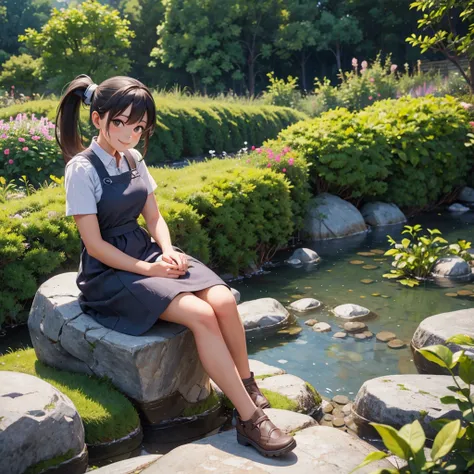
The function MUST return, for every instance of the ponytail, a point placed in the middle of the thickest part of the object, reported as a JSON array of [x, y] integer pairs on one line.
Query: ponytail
[[68, 131]]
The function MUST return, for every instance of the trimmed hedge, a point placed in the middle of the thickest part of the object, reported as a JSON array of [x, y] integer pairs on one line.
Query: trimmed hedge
[[190, 128], [220, 211], [409, 151]]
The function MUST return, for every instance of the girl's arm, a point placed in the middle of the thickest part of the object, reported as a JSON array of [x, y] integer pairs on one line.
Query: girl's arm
[[159, 230], [111, 256]]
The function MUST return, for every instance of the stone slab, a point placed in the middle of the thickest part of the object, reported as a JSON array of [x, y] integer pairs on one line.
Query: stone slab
[[129, 466], [260, 368]]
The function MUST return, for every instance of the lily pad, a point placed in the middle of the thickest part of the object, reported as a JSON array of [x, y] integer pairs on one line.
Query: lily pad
[[357, 262], [465, 292], [375, 294], [453, 295], [370, 267], [385, 296], [366, 281], [366, 254], [380, 259]]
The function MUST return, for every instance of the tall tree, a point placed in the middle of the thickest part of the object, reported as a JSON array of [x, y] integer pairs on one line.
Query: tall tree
[[448, 27], [201, 36], [338, 29], [90, 39], [259, 21], [15, 17], [299, 34]]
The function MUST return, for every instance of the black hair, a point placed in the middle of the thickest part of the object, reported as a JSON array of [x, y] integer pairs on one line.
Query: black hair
[[113, 96]]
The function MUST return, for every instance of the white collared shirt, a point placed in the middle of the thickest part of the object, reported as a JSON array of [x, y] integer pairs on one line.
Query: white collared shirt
[[82, 183]]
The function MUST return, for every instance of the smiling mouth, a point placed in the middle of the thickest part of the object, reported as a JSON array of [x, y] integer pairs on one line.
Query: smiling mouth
[[123, 143]]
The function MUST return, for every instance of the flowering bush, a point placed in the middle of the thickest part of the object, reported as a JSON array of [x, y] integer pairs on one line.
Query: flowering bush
[[28, 147]]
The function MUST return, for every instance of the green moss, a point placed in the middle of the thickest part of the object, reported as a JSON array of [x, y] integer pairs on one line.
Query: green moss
[[49, 406], [263, 377], [280, 401], [386, 380], [402, 387], [196, 409], [105, 412], [422, 392], [316, 395], [423, 413], [41, 466]]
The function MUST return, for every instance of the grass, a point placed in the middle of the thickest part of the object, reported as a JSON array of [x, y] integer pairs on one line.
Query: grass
[[280, 401], [204, 405], [106, 413]]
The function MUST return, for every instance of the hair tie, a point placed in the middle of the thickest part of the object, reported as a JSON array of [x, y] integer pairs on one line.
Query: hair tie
[[89, 92]]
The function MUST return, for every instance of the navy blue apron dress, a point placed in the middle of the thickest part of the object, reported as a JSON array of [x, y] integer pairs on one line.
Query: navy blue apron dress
[[124, 301]]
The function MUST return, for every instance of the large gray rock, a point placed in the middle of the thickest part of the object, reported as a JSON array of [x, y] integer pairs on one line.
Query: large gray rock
[[381, 213], [289, 421], [457, 207], [305, 255], [351, 312], [263, 315], [259, 368], [294, 388], [467, 195], [452, 267], [129, 466], [330, 217], [320, 449], [397, 400], [37, 423], [159, 370], [436, 330]]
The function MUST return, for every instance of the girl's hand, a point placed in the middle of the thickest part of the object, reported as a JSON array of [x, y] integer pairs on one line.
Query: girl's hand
[[176, 258], [165, 270]]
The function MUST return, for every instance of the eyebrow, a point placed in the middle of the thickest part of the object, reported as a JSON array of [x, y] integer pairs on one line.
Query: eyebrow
[[127, 116]]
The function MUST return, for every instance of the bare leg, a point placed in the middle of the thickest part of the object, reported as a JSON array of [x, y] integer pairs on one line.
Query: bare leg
[[223, 303], [194, 313]]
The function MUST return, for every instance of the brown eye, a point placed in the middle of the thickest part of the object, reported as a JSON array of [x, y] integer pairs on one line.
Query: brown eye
[[138, 129], [117, 122]]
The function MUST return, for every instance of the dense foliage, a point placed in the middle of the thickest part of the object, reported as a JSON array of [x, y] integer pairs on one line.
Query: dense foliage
[[410, 151]]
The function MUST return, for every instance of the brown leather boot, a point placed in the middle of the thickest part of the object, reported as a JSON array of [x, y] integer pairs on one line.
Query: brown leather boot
[[263, 435], [255, 394]]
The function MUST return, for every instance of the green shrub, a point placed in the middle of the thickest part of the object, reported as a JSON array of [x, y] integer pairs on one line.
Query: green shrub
[[22, 72], [282, 93], [188, 128], [245, 211], [427, 137], [29, 149], [346, 157], [105, 412]]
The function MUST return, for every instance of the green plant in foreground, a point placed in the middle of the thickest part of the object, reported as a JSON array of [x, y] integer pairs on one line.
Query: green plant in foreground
[[453, 446], [414, 258]]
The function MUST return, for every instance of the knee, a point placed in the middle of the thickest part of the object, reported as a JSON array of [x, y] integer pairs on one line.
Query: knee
[[223, 303], [204, 318]]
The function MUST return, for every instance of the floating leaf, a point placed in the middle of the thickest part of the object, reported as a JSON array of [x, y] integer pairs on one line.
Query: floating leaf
[[367, 281], [356, 262], [366, 254], [370, 267]]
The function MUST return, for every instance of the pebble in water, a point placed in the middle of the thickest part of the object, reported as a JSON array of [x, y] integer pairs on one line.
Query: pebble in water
[[361, 336], [368, 334], [355, 326], [338, 422], [311, 322], [396, 344], [282, 361], [385, 336], [375, 294], [340, 399], [378, 251], [340, 335], [366, 281], [357, 262], [322, 327], [464, 292], [452, 295], [370, 267], [291, 331], [366, 254]]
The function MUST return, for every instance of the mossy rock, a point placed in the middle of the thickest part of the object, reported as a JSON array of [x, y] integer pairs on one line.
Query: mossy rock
[[106, 413], [209, 403], [276, 400]]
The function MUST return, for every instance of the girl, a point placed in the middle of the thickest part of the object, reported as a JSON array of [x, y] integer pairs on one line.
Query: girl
[[128, 281]]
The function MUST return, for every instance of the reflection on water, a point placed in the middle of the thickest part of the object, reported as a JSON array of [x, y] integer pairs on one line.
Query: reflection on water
[[342, 365]]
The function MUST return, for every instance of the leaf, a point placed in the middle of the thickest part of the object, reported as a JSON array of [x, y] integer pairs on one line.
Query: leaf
[[466, 370], [438, 354], [445, 440], [462, 340], [371, 457], [414, 436], [456, 357], [393, 441]]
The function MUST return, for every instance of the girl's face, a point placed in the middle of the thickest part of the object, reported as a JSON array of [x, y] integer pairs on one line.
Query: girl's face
[[121, 135]]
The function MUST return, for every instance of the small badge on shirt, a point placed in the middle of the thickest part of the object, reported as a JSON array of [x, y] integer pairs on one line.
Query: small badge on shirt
[[107, 180]]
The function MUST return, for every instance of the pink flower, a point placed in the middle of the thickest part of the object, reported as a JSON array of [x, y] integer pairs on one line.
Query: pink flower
[[10, 162], [291, 161], [253, 147], [278, 159], [269, 165], [372, 79], [6, 151], [464, 105], [21, 139], [4, 135], [393, 68], [364, 65], [470, 123], [248, 161], [25, 148], [286, 150], [378, 94], [370, 97], [259, 150], [35, 137], [354, 63], [284, 170]]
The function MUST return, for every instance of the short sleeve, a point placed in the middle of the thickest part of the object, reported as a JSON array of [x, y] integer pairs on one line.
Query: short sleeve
[[144, 173], [80, 195]]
